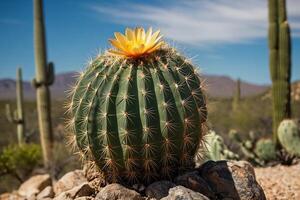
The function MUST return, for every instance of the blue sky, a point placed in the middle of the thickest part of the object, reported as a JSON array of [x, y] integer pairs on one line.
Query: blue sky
[[224, 37]]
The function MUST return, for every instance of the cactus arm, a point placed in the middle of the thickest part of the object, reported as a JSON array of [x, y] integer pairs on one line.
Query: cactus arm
[[50, 73], [9, 116]]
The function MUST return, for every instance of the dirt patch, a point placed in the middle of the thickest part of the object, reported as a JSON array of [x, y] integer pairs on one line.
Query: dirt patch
[[280, 182]]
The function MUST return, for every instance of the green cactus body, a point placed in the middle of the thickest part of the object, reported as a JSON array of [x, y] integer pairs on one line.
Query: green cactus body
[[265, 149], [289, 136], [237, 96], [18, 116], [139, 119], [234, 135], [280, 62], [216, 148], [44, 78]]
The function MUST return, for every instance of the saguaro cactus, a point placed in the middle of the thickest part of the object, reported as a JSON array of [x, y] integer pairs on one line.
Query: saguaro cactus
[[237, 96], [44, 78], [18, 115], [139, 111], [280, 62]]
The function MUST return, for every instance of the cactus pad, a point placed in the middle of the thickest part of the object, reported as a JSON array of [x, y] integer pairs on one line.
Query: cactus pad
[[289, 136]]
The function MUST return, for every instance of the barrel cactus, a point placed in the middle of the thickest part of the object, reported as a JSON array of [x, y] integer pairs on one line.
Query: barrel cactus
[[265, 149], [289, 136], [138, 111]]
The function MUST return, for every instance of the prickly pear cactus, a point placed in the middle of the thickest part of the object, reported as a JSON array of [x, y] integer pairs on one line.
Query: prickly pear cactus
[[216, 148], [139, 111], [265, 149], [289, 136]]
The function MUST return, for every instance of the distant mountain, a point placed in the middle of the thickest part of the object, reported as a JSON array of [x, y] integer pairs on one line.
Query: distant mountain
[[217, 86], [224, 86]]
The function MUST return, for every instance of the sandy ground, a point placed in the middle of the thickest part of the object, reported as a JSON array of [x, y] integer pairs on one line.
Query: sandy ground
[[280, 182]]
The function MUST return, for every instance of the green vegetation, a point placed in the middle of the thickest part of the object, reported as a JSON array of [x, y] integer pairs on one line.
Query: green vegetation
[[237, 96], [280, 62], [139, 119], [265, 149], [217, 149], [19, 161], [18, 115], [44, 78], [289, 136], [63, 160]]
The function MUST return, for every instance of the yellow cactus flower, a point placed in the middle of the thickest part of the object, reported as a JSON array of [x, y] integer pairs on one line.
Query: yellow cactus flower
[[136, 42]]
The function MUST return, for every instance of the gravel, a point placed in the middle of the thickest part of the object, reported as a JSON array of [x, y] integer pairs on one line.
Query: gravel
[[280, 182]]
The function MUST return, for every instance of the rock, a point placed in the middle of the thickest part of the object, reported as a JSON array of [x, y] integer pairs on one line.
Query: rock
[[84, 198], [195, 182], [69, 181], [159, 189], [34, 185], [117, 192], [93, 176], [45, 193], [11, 196], [79, 191], [140, 188], [91, 172], [182, 193], [83, 190], [63, 196], [232, 180]]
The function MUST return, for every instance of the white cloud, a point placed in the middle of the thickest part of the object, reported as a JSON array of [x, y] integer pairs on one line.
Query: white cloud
[[203, 21]]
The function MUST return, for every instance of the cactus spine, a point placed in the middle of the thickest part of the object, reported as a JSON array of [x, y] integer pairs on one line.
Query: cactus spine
[[237, 96], [18, 116], [280, 62], [140, 119], [44, 78]]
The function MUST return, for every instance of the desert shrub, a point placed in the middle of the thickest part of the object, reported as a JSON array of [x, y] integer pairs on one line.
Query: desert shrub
[[19, 161]]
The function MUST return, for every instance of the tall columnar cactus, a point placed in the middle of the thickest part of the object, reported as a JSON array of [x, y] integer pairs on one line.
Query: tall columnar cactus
[[289, 136], [280, 62], [237, 96], [18, 115], [44, 78], [139, 112]]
